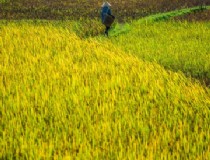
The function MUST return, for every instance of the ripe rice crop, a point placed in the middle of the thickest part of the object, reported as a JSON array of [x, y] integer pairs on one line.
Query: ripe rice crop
[[63, 97]]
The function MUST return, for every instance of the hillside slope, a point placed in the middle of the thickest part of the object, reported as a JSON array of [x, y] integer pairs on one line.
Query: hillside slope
[[63, 97]]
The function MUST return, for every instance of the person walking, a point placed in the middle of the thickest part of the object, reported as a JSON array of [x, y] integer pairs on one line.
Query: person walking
[[106, 16]]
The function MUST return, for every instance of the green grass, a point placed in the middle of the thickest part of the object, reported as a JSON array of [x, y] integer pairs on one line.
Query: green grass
[[126, 27], [168, 15]]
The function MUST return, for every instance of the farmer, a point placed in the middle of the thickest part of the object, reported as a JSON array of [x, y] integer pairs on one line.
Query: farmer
[[104, 11]]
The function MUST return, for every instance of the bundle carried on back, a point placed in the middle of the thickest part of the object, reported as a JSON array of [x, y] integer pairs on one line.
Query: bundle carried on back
[[108, 20], [107, 17]]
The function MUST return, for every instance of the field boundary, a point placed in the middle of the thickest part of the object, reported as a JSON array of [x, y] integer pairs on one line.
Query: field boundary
[[126, 27], [168, 15]]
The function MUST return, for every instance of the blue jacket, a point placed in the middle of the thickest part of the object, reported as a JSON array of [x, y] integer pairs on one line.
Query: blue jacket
[[105, 10]]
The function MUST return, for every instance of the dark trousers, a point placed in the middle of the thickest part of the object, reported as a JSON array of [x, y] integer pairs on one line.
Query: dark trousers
[[107, 29]]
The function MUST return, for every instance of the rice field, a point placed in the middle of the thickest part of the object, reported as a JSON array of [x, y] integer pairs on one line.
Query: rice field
[[178, 46], [64, 97]]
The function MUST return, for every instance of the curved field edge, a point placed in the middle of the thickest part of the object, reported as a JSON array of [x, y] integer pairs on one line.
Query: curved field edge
[[63, 97], [178, 46], [175, 14], [171, 14]]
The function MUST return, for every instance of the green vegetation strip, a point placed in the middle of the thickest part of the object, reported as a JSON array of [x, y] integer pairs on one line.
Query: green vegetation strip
[[168, 15], [125, 28]]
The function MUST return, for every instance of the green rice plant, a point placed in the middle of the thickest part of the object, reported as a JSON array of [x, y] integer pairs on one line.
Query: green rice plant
[[119, 29], [178, 46], [62, 97]]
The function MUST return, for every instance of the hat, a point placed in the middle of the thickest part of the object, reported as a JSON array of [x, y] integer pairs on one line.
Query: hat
[[106, 4]]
